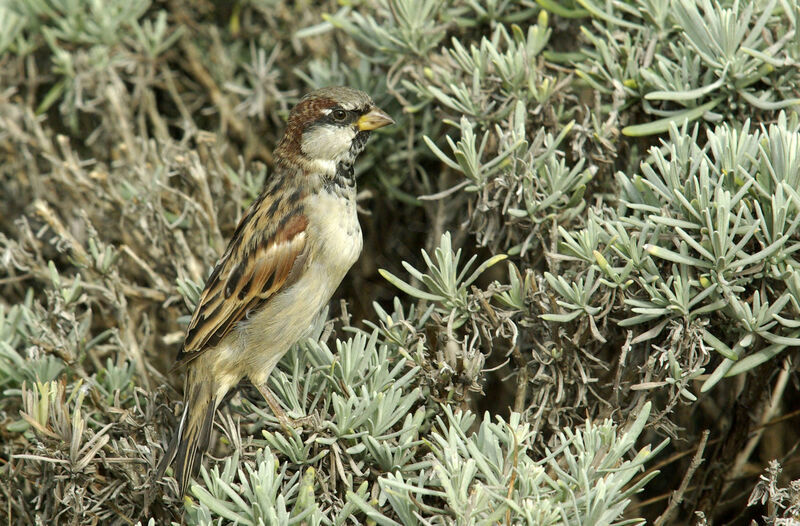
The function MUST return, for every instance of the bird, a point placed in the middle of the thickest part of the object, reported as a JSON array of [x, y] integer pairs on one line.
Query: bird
[[287, 256]]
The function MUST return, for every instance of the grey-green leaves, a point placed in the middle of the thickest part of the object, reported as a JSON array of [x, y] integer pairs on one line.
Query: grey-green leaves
[[444, 283], [717, 230]]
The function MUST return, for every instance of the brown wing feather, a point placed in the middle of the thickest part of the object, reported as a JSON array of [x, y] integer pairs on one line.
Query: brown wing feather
[[255, 266]]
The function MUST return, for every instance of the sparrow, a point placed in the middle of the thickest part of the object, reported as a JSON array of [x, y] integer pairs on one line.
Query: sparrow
[[286, 258]]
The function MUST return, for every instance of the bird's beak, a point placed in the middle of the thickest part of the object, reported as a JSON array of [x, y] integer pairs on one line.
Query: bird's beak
[[376, 118]]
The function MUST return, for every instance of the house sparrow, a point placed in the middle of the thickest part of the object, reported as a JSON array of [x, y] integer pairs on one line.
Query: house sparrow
[[286, 258]]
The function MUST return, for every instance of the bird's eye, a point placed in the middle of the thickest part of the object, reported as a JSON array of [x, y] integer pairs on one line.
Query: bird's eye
[[339, 115]]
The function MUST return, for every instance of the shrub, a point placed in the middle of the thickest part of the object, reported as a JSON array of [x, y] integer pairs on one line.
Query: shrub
[[577, 301]]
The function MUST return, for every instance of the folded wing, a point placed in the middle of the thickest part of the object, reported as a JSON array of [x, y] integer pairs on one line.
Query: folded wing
[[256, 265]]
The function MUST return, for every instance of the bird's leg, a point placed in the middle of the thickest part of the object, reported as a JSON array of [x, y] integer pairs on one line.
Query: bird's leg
[[273, 404], [285, 420]]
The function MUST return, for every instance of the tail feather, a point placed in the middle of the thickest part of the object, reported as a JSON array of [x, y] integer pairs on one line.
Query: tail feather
[[191, 439], [193, 444]]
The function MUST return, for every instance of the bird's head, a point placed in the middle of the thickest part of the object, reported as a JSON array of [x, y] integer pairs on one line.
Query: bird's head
[[330, 126]]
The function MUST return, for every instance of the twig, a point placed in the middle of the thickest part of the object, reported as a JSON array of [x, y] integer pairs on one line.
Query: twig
[[782, 418], [653, 500], [47, 214], [131, 345], [769, 412], [677, 495], [198, 172], [620, 364], [513, 480], [200, 73], [14, 279], [131, 291], [155, 278], [120, 108], [660, 465], [444, 193], [522, 380], [172, 89], [240, 128], [733, 440]]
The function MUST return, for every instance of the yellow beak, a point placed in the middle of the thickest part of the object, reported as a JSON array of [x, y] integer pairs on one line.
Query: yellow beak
[[376, 118]]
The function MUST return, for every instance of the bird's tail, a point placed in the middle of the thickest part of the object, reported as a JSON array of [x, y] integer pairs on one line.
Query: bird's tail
[[191, 438]]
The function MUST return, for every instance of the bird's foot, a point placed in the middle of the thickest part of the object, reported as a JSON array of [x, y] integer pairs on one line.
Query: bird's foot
[[287, 423]]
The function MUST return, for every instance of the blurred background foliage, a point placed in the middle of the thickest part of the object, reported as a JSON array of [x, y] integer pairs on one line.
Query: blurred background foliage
[[579, 296]]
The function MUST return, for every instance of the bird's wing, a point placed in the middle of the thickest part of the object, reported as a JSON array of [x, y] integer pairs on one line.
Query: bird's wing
[[267, 245]]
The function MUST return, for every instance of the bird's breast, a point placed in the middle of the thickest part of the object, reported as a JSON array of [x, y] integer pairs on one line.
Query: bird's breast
[[334, 230], [334, 238]]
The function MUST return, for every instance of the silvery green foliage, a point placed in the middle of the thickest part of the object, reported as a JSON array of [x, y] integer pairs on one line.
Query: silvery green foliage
[[403, 472], [135, 134], [489, 475], [532, 179], [701, 227], [15, 367], [361, 406], [98, 29], [784, 509], [263, 495], [686, 60], [446, 285], [358, 405], [508, 130]]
